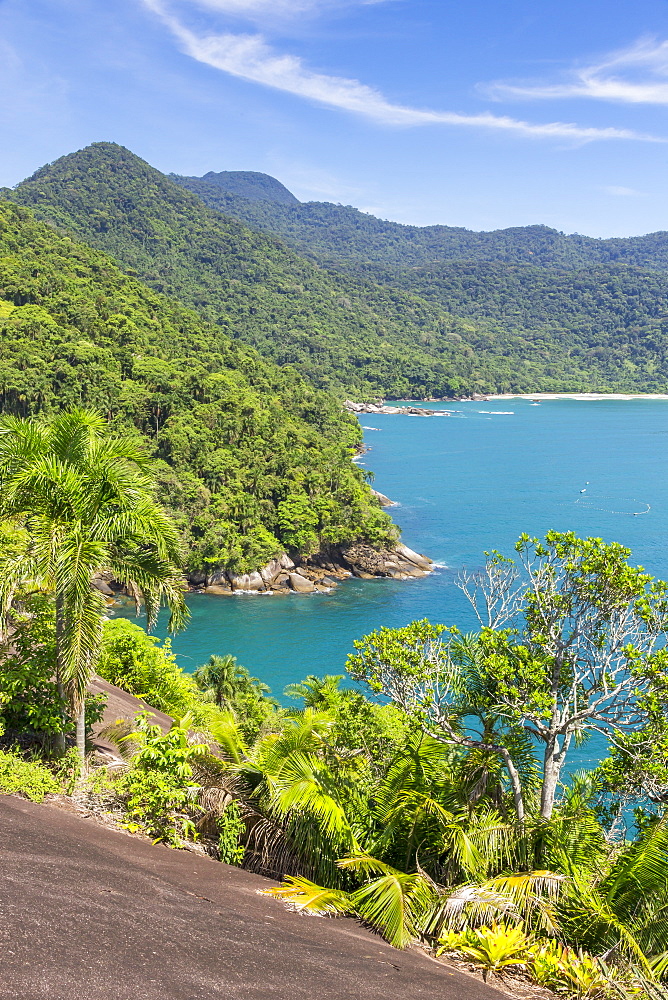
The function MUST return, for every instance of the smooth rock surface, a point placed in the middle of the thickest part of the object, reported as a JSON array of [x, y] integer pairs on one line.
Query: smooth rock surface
[[271, 571], [92, 914], [300, 584], [247, 581], [422, 561]]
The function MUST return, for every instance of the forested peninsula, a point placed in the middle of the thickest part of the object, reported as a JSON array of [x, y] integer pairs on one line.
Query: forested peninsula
[[251, 459]]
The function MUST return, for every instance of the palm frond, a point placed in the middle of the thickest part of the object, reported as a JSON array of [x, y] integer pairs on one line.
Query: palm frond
[[304, 895]]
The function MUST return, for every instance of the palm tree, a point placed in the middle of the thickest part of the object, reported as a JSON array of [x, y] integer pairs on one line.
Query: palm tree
[[217, 679], [86, 500]]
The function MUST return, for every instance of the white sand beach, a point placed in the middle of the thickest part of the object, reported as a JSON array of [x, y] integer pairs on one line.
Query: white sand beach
[[585, 396]]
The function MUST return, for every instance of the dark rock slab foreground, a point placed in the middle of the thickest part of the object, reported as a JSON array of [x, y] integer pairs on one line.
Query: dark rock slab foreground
[[91, 914]]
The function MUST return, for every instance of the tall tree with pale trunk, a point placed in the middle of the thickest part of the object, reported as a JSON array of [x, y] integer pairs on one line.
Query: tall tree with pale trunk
[[86, 499], [572, 642]]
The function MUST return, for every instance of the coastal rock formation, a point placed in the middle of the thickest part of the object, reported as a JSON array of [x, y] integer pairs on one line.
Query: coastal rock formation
[[301, 584], [247, 581], [383, 500], [319, 572], [413, 411]]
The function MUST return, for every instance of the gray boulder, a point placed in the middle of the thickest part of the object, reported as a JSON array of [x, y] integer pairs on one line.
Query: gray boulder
[[414, 557], [271, 571], [300, 584], [247, 581]]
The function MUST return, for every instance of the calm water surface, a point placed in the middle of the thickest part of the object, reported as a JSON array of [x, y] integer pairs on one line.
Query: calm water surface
[[464, 484]]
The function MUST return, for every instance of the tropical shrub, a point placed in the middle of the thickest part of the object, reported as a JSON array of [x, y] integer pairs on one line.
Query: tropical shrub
[[500, 946], [158, 789], [30, 702], [228, 685], [572, 973], [29, 698], [25, 777], [137, 662], [231, 827]]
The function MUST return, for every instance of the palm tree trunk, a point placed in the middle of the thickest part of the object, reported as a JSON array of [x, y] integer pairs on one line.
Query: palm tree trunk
[[81, 732], [59, 738], [60, 625]]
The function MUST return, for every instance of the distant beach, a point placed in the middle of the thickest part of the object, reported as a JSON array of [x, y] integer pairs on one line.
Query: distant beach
[[580, 395]]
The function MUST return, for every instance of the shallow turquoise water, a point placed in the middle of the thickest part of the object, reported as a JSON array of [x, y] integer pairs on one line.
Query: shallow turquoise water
[[465, 483]]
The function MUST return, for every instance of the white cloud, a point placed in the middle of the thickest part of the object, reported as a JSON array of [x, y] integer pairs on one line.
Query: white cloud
[[277, 9], [622, 192], [249, 57], [635, 75]]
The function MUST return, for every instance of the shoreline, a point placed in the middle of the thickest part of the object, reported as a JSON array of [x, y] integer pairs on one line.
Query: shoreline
[[583, 396]]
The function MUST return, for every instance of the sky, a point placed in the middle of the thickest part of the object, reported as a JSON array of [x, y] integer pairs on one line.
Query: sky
[[484, 114]]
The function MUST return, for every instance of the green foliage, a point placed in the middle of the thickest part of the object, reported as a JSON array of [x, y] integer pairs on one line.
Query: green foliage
[[582, 649], [137, 662], [231, 436], [231, 827], [572, 973], [492, 948], [25, 777], [158, 789], [307, 896], [229, 686], [29, 698]]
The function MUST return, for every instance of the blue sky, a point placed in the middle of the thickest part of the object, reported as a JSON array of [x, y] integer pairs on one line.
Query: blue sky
[[484, 114]]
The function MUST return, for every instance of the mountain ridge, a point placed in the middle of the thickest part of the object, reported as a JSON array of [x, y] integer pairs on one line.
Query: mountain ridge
[[249, 184], [366, 328], [317, 227]]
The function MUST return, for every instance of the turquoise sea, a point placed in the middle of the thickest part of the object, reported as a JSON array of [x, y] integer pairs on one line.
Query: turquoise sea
[[463, 484]]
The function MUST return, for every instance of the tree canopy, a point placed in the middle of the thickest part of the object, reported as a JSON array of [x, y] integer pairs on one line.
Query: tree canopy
[[238, 444]]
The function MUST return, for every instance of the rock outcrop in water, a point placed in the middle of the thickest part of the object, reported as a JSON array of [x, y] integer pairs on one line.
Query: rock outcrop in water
[[318, 573], [413, 411]]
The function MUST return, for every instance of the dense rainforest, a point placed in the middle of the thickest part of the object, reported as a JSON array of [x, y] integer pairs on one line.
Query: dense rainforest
[[379, 318], [342, 333], [251, 459], [557, 311], [343, 234]]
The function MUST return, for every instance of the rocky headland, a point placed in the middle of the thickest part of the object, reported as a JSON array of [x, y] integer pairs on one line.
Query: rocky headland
[[413, 411], [317, 573], [380, 406]]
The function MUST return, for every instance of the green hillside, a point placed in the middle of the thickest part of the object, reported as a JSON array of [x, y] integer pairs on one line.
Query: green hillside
[[371, 325], [246, 184], [343, 333], [540, 309], [344, 235], [251, 458]]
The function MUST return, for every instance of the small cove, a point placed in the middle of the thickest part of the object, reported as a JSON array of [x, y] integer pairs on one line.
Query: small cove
[[464, 484]]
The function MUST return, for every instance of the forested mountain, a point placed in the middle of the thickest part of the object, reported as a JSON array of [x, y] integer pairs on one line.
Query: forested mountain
[[379, 308], [342, 332], [246, 184], [557, 311], [344, 235], [251, 458]]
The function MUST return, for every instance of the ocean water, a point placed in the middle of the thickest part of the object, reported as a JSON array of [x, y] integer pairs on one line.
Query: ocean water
[[463, 484]]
